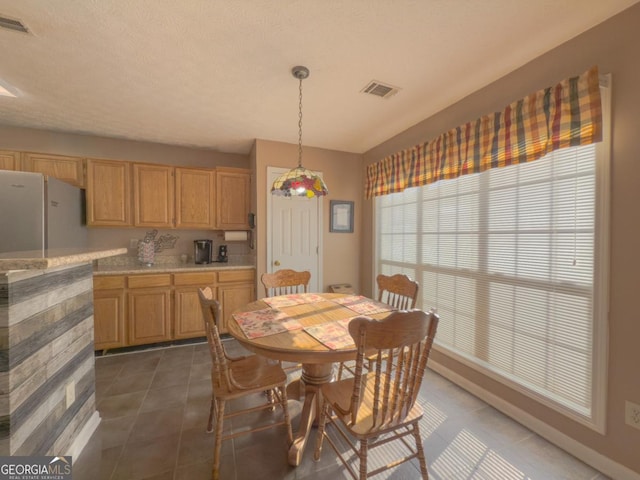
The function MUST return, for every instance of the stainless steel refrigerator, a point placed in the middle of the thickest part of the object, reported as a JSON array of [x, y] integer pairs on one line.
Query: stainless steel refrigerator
[[38, 212]]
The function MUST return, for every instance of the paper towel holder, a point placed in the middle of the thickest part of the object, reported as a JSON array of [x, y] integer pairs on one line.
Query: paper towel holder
[[236, 236]]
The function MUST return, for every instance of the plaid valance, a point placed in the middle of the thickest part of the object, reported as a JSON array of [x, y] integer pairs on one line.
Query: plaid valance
[[565, 115]]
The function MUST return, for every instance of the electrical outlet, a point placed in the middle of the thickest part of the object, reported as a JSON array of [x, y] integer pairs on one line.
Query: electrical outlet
[[133, 243], [632, 414], [70, 393]]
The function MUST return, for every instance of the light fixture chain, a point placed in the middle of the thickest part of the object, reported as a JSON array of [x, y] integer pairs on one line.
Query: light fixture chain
[[300, 127], [299, 181]]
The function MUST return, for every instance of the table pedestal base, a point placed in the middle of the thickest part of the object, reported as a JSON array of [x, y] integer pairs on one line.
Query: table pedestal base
[[313, 377]]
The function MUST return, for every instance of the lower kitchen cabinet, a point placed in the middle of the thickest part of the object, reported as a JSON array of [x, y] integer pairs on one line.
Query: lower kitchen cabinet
[[151, 308], [149, 315], [235, 289], [187, 312], [188, 315], [109, 312]]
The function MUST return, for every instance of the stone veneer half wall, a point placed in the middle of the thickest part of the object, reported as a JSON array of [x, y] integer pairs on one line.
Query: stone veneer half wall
[[46, 357]]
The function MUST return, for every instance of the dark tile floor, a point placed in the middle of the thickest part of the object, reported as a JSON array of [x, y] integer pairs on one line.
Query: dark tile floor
[[154, 407]]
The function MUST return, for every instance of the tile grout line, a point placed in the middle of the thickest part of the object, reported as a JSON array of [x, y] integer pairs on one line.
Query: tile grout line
[[184, 409], [117, 463], [439, 400]]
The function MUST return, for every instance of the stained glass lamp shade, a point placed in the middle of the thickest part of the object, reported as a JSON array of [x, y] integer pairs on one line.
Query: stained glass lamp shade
[[299, 181]]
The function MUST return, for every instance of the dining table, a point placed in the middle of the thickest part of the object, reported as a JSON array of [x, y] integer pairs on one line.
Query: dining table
[[309, 329]]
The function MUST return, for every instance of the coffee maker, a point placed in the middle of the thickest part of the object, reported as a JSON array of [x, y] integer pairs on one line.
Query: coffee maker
[[202, 250], [222, 254]]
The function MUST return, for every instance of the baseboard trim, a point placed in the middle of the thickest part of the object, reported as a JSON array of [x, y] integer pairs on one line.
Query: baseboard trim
[[82, 439], [587, 455]]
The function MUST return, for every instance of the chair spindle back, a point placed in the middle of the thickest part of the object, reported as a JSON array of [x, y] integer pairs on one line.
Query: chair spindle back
[[397, 290], [403, 343], [211, 313], [285, 282]]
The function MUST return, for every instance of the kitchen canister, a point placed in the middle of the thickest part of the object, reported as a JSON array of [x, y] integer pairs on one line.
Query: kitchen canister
[[147, 252]]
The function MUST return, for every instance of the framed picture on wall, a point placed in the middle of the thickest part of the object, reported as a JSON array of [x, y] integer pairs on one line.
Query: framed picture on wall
[[341, 216]]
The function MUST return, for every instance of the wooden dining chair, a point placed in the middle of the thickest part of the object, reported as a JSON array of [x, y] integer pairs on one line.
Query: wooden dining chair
[[397, 290], [375, 407], [285, 281], [236, 377]]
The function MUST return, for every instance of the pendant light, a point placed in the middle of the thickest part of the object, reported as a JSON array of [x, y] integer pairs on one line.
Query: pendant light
[[299, 181]]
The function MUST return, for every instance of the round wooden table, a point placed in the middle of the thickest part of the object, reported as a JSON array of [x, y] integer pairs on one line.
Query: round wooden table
[[299, 346]]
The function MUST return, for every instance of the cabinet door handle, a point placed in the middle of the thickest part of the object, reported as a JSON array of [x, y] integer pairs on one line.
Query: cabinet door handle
[[277, 263]]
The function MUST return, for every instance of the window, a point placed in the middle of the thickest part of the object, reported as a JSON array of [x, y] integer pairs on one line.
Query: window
[[515, 261]]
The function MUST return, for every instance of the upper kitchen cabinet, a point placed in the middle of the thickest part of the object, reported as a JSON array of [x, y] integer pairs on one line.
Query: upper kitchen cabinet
[[233, 198], [67, 169], [153, 195], [9, 160], [108, 193], [195, 198]]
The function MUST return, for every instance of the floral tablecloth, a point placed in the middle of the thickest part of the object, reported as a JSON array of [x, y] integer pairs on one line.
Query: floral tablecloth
[[268, 321], [292, 299], [363, 305], [334, 335]]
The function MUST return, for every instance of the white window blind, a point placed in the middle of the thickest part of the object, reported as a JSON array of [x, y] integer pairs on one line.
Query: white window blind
[[508, 258]]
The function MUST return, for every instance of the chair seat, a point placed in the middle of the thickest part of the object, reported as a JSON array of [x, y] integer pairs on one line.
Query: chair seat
[[371, 410], [338, 394], [252, 373], [236, 377]]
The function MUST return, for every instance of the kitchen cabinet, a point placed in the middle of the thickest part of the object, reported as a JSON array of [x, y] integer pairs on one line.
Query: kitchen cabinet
[[153, 195], [236, 288], [188, 319], [149, 308], [67, 169], [9, 160], [147, 195], [195, 198], [109, 312], [233, 198], [108, 193], [173, 197]]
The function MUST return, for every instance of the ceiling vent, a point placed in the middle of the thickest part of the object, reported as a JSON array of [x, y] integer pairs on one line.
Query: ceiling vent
[[380, 89], [15, 25]]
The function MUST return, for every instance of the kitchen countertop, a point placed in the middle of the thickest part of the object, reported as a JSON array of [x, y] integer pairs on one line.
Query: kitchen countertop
[[168, 268], [43, 259]]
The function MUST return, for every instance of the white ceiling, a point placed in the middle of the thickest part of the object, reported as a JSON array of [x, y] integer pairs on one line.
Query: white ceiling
[[216, 73]]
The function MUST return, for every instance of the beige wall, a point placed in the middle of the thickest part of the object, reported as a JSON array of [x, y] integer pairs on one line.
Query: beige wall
[[42, 141], [613, 46], [342, 172]]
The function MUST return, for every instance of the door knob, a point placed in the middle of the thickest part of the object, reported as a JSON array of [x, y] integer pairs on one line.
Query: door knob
[[277, 263]]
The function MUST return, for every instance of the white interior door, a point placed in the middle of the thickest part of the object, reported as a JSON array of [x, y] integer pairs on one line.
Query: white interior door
[[294, 236]]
